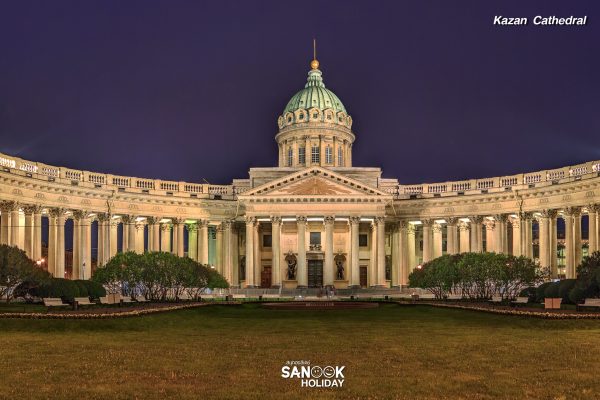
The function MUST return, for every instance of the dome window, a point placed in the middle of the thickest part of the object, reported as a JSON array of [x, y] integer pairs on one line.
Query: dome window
[[315, 115], [328, 155], [289, 119]]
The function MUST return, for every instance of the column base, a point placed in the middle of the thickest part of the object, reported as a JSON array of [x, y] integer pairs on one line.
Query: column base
[[250, 287], [275, 286]]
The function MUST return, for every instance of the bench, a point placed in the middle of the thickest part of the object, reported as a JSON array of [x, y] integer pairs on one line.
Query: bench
[[454, 297], [519, 301], [127, 299], [207, 297], [496, 300], [83, 301], [239, 296], [54, 302], [141, 299], [592, 303]]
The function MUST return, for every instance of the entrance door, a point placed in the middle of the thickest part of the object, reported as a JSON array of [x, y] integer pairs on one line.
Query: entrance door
[[363, 276], [315, 273], [265, 277]]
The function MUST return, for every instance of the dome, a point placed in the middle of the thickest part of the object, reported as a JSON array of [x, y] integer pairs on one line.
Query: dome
[[314, 95]]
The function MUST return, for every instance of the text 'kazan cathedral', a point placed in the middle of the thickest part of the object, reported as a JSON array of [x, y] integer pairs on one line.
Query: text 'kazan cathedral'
[[312, 221]]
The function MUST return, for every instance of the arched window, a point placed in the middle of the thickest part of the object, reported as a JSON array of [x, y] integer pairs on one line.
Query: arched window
[[328, 155], [340, 156], [290, 158]]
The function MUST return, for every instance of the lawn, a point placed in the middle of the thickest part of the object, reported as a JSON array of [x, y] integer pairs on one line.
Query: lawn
[[238, 351]]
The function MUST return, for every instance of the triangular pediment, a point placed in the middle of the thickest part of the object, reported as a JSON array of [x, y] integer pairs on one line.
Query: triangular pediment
[[314, 181]]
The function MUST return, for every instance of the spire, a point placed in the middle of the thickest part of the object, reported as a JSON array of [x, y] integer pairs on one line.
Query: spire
[[314, 64]]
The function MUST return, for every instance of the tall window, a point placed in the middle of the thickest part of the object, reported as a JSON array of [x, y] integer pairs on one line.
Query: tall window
[[290, 158], [340, 157], [315, 156], [328, 155], [302, 155]]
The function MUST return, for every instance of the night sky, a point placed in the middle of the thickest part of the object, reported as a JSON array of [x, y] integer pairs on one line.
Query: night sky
[[191, 90]]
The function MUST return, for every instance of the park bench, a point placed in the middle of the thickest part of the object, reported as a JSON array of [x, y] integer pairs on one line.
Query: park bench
[[590, 303], [454, 297], [207, 297], [54, 302], [239, 296], [520, 301], [496, 300], [83, 301], [126, 299]]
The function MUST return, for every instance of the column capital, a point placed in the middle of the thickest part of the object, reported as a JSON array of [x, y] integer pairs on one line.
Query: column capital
[[102, 217], [489, 224], [452, 221], [436, 228], [275, 220], [501, 217], [463, 226], [78, 215], [593, 208], [354, 220], [56, 212], [379, 220], [428, 222], [128, 219], [192, 227], [177, 221], [32, 209], [203, 223], [165, 227], [301, 219], [515, 222], [476, 219], [250, 220], [573, 211], [329, 220], [526, 216], [8, 205], [549, 213], [153, 220], [403, 224]]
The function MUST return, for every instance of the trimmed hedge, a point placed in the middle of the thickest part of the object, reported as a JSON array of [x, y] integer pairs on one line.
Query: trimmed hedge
[[94, 289], [564, 288], [529, 292], [540, 292], [551, 290]]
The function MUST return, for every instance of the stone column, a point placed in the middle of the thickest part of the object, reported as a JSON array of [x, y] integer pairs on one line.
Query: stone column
[[219, 248], [102, 220], [257, 253], [403, 252], [250, 222], [396, 256], [437, 240], [28, 236], [77, 243], [490, 239], [153, 233], [165, 237], [14, 227], [203, 243], [112, 227], [6, 207], [593, 227], [476, 234], [372, 271], [464, 231], [427, 239], [516, 236], [86, 248], [577, 237], [235, 256], [52, 239], [526, 232], [452, 235], [192, 241], [178, 248], [37, 233], [544, 240], [276, 251], [410, 244], [354, 252], [553, 241], [571, 214], [328, 273], [501, 244], [301, 270], [226, 257], [380, 223], [140, 228], [60, 245]]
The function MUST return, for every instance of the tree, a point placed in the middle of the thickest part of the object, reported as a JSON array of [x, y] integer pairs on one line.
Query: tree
[[16, 269]]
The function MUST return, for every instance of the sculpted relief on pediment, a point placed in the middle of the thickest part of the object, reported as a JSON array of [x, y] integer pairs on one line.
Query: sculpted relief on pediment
[[313, 186]]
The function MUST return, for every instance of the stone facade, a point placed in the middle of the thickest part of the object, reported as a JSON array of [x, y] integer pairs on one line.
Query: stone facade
[[313, 220]]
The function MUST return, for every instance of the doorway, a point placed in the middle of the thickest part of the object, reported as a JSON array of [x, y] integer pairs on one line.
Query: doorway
[[315, 273], [363, 276], [265, 277]]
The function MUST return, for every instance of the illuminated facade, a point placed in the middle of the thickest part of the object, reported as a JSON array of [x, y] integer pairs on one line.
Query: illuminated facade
[[314, 220]]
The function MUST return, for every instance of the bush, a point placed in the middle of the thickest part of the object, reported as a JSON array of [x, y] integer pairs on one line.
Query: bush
[[82, 290], [529, 292], [66, 289], [564, 288], [551, 290], [540, 292], [94, 289]]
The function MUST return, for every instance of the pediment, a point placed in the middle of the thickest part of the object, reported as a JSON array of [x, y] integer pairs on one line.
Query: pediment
[[314, 181]]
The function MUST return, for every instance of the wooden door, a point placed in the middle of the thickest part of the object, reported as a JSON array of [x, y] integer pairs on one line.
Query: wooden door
[[363, 276], [315, 273], [265, 277]]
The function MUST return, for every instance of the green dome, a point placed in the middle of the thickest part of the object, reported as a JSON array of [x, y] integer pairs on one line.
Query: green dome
[[314, 95]]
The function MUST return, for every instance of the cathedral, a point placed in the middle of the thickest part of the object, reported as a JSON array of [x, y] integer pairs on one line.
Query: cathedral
[[314, 220]]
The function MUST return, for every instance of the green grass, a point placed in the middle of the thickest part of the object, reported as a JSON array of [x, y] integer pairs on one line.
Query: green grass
[[238, 351]]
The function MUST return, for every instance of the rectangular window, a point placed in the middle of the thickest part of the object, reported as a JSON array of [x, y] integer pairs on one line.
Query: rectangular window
[[363, 240], [340, 157], [302, 155], [267, 240], [328, 155], [315, 238], [290, 158], [315, 155]]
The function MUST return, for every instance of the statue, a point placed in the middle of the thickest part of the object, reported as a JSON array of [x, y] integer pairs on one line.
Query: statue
[[291, 270], [340, 269]]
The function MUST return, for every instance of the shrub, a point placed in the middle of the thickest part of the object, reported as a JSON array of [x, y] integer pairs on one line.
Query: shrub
[[529, 292], [66, 289], [551, 290], [564, 288], [82, 290], [540, 292], [94, 289]]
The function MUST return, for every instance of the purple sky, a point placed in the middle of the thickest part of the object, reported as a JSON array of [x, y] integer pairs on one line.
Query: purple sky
[[186, 90]]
